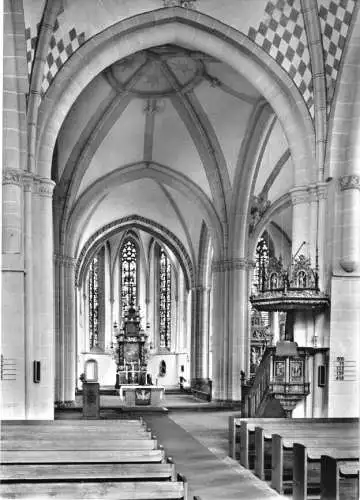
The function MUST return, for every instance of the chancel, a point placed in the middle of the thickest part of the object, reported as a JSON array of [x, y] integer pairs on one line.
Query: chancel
[[180, 245]]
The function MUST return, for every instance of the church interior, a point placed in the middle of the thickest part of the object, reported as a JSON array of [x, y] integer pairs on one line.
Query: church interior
[[180, 235]]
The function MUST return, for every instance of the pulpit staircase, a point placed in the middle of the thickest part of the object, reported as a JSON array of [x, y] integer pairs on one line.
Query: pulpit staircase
[[280, 382]]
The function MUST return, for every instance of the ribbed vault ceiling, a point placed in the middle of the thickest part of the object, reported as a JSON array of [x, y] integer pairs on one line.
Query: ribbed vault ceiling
[[182, 111]]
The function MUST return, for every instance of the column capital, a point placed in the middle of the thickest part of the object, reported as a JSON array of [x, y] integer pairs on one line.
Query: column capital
[[349, 182], [12, 176], [318, 192], [232, 264], [313, 194], [322, 190], [30, 182], [44, 187], [299, 195]]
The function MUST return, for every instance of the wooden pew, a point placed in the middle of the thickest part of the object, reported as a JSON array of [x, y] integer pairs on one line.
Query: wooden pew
[[80, 443], [86, 472], [283, 466], [81, 456], [247, 432], [129, 490], [25, 434], [76, 423], [264, 447], [40, 463], [334, 477], [237, 440]]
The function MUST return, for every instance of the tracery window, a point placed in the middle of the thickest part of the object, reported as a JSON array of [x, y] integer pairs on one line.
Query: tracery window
[[93, 296], [264, 250], [165, 300], [129, 259]]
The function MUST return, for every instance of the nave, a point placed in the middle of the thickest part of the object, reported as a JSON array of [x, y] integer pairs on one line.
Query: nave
[[185, 450], [195, 437]]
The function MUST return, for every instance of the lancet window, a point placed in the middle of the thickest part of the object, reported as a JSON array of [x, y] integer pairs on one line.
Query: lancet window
[[129, 271], [93, 296], [165, 300]]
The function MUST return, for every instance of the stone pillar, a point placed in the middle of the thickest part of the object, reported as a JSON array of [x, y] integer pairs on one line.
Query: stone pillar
[[174, 310], [69, 331], [200, 334], [108, 300], [350, 236], [66, 343], [301, 238], [239, 327], [15, 343], [16, 325], [301, 221], [313, 224], [321, 333], [230, 326], [59, 354], [220, 330], [41, 395], [322, 193], [193, 333], [344, 364]]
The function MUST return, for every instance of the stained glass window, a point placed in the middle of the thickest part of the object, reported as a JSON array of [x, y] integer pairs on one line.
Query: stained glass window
[[128, 275], [93, 295], [165, 300]]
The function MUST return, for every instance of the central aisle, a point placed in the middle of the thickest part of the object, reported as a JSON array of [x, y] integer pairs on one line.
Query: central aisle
[[197, 443]]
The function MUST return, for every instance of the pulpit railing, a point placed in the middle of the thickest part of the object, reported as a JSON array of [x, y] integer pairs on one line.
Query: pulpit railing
[[256, 391]]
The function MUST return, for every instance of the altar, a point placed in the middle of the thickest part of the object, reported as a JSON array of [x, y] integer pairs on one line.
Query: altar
[[130, 355], [132, 378], [142, 395]]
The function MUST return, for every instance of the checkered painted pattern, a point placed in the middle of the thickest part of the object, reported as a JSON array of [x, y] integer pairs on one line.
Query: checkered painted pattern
[[31, 40], [335, 18], [282, 35], [60, 51]]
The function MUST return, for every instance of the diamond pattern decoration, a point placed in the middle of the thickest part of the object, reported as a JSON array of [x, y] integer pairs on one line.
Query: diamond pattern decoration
[[335, 19], [282, 35], [31, 40], [59, 51]]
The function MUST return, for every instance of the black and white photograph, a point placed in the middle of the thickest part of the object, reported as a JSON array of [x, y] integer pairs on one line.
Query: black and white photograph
[[180, 215]]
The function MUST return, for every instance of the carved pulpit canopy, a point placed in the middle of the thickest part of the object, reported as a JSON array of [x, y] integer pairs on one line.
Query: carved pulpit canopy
[[289, 288]]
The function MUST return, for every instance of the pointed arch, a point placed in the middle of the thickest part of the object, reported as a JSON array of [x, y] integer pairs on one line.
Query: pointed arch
[[189, 29], [156, 230]]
